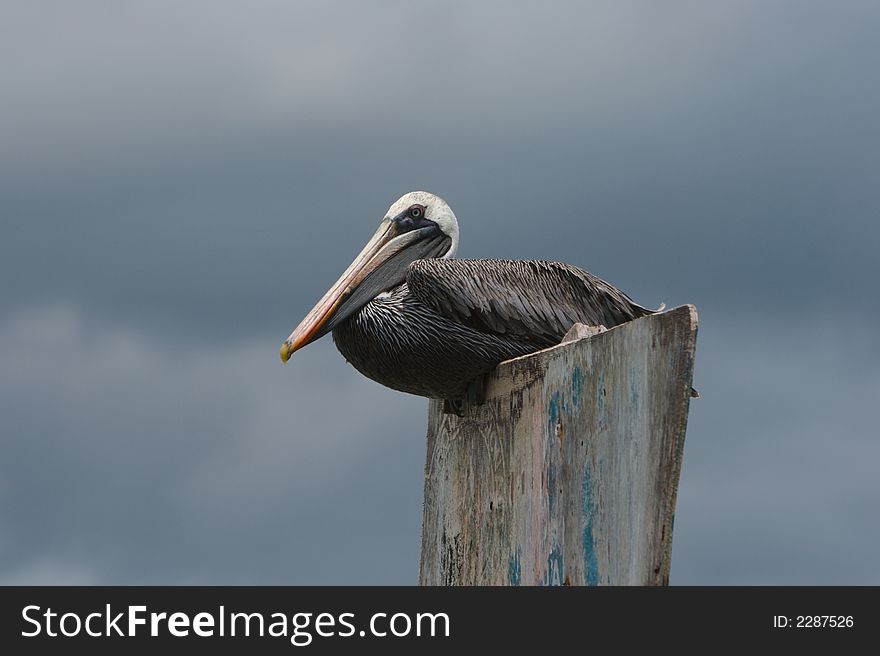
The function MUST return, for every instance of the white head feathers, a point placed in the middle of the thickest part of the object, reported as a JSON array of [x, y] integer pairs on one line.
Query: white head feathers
[[436, 210]]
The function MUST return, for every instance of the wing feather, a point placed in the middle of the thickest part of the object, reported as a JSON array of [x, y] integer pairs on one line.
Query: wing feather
[[530, 298]]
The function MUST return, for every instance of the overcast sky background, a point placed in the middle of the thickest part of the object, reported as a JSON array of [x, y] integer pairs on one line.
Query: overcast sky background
[[180, 181]]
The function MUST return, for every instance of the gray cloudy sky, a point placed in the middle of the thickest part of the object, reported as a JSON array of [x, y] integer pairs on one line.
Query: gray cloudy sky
[[179, 181]]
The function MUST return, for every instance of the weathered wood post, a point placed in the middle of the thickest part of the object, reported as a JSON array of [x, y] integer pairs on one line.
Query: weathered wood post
[[568, 473]]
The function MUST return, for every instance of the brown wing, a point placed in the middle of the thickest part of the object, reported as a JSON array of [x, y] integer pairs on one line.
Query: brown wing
[[532, 298]]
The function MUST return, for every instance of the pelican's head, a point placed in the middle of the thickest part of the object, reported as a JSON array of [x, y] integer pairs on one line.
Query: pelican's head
[[419, 225]]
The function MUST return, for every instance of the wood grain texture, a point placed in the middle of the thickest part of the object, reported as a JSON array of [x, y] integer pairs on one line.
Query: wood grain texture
[[568, 473]]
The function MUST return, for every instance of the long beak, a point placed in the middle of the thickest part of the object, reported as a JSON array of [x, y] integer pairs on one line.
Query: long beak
[[348, 294]]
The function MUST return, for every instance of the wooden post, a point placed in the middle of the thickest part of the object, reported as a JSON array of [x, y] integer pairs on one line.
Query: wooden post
[[568, 473]]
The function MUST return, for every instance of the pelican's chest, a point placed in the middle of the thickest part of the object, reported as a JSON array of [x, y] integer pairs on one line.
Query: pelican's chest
[[398, 342], [382, 338]]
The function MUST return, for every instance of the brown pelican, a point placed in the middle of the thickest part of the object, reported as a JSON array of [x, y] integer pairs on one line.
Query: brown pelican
[[409, 316]]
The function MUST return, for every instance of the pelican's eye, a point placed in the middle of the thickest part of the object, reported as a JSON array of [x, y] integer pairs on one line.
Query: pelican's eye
[[416, 211]]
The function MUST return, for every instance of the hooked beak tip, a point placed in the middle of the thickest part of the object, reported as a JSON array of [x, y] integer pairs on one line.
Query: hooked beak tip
[[285, 352]]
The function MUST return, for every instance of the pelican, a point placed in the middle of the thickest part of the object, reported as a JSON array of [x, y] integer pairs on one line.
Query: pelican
[[408, 315]]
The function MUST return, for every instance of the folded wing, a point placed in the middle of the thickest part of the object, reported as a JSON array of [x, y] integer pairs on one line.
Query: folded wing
[[536, 299]]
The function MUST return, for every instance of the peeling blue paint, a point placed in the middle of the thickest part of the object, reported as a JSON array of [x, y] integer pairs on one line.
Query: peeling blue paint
[[555, 566], [633, 385], [553, 411], [591, 567], [514, 570], [551, 485]]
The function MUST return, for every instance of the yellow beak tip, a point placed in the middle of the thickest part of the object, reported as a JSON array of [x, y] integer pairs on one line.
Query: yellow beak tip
[[285, 353]]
